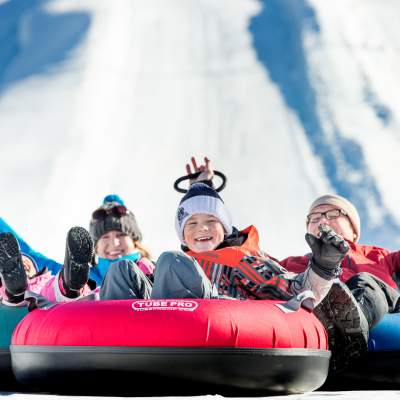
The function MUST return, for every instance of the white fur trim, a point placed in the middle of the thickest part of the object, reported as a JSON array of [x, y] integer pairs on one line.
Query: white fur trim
[[23, 303], [60, 298]]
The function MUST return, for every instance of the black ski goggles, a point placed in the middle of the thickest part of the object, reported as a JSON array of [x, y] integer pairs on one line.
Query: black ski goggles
[[117, 211]]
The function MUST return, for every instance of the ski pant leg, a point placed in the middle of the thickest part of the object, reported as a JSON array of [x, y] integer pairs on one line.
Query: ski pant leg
[[125, 280], [375, 297], [180, 276]]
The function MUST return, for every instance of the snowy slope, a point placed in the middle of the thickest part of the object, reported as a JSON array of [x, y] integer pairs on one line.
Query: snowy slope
[[99, 97], [335, 63]]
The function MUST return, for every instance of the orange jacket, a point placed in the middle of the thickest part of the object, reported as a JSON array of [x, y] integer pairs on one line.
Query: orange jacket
[[244, 271]]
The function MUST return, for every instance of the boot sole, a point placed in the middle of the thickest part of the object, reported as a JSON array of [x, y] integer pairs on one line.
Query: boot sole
[[11, 267], [80, 252], [80, 245], [340, 316]]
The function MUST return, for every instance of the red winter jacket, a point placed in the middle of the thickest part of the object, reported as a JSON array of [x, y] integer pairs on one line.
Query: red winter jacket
[[377, 261]]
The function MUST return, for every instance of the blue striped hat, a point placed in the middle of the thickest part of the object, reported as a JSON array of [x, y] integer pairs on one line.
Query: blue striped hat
[[201, 199]]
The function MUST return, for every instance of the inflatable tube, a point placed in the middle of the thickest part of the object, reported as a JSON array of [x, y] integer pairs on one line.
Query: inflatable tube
[[385, 337], [9, 318], [380, 367], [160, 346], [382, 363]]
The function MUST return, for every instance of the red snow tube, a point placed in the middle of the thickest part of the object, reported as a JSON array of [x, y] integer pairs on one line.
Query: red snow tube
[[172, 346]]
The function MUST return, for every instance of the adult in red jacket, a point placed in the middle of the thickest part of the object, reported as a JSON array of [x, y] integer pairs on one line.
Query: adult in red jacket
[[368, 271], [341, 313]]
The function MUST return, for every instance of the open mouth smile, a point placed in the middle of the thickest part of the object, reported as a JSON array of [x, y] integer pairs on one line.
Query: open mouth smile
[[203, 239]]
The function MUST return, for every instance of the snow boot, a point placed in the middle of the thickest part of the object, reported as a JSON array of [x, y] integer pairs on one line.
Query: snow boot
[[346, 325], [12, 270], [78, 256]]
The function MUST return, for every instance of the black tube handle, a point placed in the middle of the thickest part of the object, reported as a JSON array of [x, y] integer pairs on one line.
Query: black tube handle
[[196, 175]]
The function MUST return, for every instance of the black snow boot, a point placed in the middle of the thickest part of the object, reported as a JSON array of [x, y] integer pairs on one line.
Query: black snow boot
[[78, 256], [346, 325], [12, 270]]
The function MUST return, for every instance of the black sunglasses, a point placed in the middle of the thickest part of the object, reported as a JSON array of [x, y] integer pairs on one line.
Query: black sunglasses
[[333, 213], [114, 211]]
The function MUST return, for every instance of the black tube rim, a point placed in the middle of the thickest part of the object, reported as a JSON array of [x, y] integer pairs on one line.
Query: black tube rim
[[194, 176]]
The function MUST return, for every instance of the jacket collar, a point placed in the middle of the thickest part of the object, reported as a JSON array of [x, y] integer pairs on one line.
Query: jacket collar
[[232, 250]]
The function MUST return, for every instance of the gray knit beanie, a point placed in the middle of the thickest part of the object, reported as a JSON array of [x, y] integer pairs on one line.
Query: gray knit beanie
[[345, 205], [113, 215]]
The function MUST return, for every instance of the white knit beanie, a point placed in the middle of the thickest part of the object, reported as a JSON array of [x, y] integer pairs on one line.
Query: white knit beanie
[[201, 199], [343, 204]]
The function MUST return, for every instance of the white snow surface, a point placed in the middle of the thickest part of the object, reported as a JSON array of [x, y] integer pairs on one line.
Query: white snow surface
[[152, 84], [155, 82], [351, 395], [358, 47]]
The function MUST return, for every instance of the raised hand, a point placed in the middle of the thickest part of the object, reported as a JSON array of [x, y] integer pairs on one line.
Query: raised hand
[[206, 170], [328, 251]]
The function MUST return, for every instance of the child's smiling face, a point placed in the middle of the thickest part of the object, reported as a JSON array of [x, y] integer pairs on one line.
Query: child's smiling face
[[203, 232], [28, 266], [114, 244]]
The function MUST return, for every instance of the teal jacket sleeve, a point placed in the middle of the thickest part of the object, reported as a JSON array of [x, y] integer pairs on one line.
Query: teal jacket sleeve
[[41, 260]]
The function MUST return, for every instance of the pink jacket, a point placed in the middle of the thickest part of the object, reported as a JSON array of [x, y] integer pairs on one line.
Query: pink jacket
[[36, 284], [146, 266], [48, 285]]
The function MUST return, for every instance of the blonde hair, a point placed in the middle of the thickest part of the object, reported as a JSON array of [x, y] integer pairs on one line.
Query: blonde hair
[[142, 250]]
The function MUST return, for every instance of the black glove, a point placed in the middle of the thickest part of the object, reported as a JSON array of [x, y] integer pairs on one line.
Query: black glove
[[328, 252]]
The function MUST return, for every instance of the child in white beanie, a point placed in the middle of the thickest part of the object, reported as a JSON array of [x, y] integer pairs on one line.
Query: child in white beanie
[[218, 261]]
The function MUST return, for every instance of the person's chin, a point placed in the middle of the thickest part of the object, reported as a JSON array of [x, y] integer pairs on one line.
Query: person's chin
[[204, 247], [114, 256]]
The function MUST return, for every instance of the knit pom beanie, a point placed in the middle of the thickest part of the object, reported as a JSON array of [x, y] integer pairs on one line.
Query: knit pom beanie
[[113, 215], [201, 199]]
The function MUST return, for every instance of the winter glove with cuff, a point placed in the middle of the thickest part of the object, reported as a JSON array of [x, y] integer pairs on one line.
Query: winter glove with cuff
[[328, 252]]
